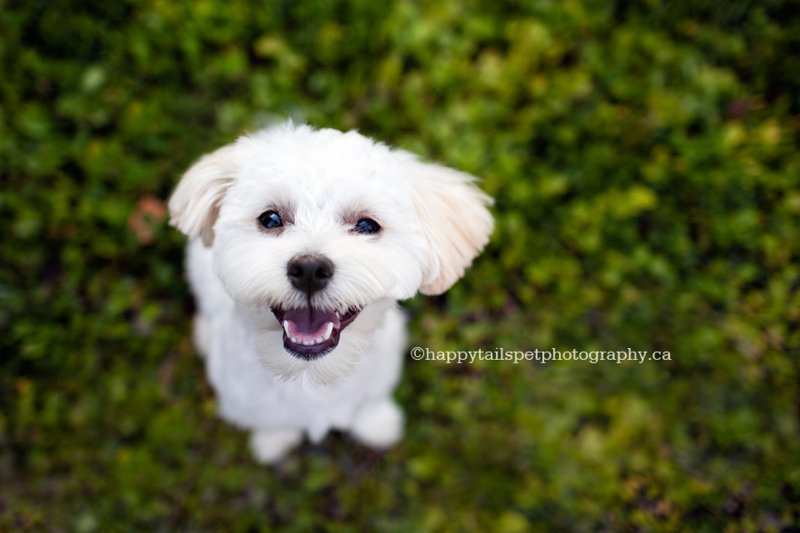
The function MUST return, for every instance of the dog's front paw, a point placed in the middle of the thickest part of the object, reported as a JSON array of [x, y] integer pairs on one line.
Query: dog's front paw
[[269, 447], [379, 425]]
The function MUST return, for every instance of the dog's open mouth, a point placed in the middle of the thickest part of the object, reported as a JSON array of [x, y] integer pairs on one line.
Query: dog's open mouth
[[310, 333]]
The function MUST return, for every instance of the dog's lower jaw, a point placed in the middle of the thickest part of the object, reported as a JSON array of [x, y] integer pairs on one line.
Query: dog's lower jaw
[[310, 333], [354, 344]]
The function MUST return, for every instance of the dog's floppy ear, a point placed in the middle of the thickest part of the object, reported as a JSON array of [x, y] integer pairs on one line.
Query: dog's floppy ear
[[454, 218], [194, 205]]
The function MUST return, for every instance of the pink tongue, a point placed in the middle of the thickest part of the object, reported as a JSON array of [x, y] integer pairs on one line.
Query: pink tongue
[[310, 321]]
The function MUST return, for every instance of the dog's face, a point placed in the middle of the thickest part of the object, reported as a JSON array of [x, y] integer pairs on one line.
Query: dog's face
[[316, 232]]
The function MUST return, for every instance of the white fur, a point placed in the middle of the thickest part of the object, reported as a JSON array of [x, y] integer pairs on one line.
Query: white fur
[[434, 222]]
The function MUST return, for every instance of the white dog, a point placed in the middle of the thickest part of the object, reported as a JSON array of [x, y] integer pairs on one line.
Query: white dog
[[302, 242]]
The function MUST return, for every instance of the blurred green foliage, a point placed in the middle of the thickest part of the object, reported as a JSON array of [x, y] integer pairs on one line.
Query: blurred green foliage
[[644, 157]]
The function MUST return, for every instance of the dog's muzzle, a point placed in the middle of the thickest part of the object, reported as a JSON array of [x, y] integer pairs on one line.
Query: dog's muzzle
[[309, 332]]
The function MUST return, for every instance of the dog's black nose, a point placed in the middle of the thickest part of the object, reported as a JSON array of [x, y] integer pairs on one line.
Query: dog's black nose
[[309, 273]]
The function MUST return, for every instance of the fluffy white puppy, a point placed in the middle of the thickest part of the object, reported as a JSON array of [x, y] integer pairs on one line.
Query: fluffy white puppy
[[302, 240]]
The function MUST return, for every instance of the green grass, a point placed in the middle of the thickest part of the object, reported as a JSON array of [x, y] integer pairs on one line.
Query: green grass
[[644, 160]]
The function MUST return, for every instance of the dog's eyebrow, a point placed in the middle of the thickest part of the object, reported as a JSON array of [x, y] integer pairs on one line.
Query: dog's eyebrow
[[351, 216], [285, 209]]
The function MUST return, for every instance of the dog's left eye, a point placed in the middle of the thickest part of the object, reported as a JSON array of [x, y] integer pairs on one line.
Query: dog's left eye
[[366, 226], [270, 219]]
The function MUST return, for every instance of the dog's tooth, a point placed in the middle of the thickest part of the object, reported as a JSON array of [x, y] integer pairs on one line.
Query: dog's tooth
[[328, 331], [286, 325]]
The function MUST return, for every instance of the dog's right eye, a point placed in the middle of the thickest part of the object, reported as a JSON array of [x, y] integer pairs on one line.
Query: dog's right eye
[[270, 219]]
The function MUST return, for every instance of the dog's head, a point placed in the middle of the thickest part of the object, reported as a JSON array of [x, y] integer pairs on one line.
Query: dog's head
[[317, 232]]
